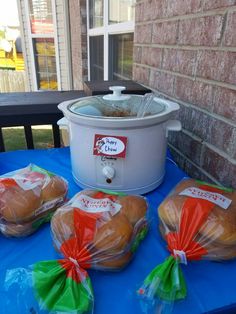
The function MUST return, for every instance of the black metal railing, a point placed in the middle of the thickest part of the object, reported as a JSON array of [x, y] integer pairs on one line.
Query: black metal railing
[[33, 108], [40, 108]]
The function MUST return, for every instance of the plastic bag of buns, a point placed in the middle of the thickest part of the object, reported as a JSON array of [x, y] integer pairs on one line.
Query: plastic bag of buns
[[94, 230], [28, 197], [198, 221]]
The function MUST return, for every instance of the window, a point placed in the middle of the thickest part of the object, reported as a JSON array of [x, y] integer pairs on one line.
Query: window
[[43, 44], [121, 11], [96, 13], [45, 63], [121, 56], [110, 39], [96, 59]]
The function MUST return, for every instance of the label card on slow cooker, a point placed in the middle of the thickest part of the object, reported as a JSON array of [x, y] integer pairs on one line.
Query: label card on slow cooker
[[110, 145]]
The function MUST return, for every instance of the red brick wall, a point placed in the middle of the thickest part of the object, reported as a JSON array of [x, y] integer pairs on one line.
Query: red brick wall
[[186, 51]]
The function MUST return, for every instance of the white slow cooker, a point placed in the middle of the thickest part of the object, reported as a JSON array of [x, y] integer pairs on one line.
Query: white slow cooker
[[119, 142]]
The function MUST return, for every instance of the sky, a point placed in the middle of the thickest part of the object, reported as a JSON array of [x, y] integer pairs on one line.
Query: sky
[[8, 13]]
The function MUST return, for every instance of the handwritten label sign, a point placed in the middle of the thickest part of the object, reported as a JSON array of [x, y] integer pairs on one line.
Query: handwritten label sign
[[110, 145]]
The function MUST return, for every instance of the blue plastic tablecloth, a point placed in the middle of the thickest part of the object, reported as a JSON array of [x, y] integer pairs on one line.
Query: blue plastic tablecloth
[[211, 286]]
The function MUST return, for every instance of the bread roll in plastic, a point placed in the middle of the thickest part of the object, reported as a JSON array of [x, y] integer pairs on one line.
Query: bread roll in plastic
[[106, 225], [26, 195]]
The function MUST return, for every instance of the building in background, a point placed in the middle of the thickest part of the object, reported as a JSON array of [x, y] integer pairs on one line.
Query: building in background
[[12, 74], [67, 42], [11, 56], [45, 43]]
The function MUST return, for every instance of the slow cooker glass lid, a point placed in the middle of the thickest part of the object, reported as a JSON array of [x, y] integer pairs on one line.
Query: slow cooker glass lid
[[134, 106]]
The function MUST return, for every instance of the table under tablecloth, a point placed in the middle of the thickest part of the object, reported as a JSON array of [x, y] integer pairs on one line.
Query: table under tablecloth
[[210, 285]]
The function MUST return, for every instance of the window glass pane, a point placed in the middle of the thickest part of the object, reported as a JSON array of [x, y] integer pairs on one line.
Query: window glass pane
[[95, 13], [45, 63], [96, 58], [121, 11], [120, 56], [41, 16]]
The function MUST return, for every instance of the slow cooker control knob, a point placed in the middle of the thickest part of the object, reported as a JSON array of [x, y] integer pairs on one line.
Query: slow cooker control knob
[[108, 172]]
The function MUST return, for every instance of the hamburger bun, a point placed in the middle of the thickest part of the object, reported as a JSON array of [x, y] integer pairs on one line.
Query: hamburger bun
[[215, 251], [115, 262], [18, 205], [218, 252], [220, 225], [113, 235], [114, 232], [23, 229], [133, 207], [62, 225], [25, 196], [169, 210], [16, 230], [55, 188]]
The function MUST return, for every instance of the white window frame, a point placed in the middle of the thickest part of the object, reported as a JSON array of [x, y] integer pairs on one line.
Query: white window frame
[[106, 30], [32, 36]]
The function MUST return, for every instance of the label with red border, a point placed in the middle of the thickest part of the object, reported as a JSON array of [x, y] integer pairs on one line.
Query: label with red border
[[93, 205], [216, 198], [110, 145]]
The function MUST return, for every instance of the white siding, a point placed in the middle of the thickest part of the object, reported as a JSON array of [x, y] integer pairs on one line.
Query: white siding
[[25, 43], [63, 44], [63, 53]]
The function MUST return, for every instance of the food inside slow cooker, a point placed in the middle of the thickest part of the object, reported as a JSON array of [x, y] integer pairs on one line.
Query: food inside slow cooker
[[97, 107], [121, 112], [117, 113]]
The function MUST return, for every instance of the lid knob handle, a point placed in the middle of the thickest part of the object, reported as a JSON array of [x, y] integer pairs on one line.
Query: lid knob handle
[[117, 90], [116, 93]]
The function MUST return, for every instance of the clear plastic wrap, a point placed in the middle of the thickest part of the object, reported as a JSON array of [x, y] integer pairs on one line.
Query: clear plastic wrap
[[94, 230], [28, 197], [112, 224], [198, 221]]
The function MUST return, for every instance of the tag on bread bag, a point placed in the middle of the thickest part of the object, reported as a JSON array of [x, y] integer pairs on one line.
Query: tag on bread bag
[[214, 197], [94, 205]]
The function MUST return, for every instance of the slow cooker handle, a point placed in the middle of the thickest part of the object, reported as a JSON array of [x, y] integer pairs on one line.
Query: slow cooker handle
[[63, 122], [173, 125]]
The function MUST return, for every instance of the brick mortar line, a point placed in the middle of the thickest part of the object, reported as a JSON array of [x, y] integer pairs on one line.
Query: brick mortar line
[[212, 147], [197, 78], [214, 12], [216, 83], [195, 165], [186, 47], [214, 115], [223, 28], [192, 135], [220, 152]]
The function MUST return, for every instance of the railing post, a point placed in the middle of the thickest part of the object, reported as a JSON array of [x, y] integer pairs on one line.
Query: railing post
[[56, 135], [2, 146], [29, 136]]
